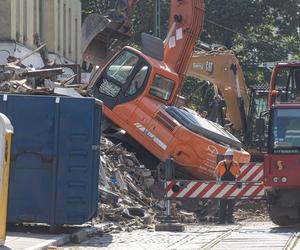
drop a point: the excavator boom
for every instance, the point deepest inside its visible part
(185, 26)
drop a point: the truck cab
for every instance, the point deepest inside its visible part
(282, 161)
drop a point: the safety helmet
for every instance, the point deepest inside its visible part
(228, 152)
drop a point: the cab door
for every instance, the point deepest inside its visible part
(129, 100)
(122, 82)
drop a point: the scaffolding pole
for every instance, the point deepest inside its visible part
(157, 19)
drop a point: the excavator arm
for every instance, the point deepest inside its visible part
(222, 68)
(185, 25)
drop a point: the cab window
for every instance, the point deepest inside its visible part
(282, 78)
(288, 84)
(118, 73)
(162, 87)
(122, 67)
(285, 129)
(138, 81)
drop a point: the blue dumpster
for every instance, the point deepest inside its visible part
(54, 159)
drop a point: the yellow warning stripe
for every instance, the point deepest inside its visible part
(4, 193)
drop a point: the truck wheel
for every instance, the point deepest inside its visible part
(283, 220)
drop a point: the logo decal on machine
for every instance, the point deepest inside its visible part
(151, 135)
(198, 66)
(212, 149)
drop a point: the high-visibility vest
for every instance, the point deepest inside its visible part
(222, 169)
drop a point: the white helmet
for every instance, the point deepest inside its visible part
(228, 152)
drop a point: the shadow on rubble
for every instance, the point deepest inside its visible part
(100, 240)
(285, 229)
(41, 229)
(5, 248)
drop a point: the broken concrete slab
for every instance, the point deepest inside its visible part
(18, 241)
(37, 237)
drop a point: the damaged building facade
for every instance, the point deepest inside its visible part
(58, 23)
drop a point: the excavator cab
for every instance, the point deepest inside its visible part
(131, 75)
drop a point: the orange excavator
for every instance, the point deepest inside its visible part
(103, 36)
(139, 89)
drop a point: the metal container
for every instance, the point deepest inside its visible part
(54, 160)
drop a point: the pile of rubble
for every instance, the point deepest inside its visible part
(251, 210)
(16, 77)
(125, 191)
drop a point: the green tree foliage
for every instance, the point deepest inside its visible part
(144, 18)
(95, 6)
(257, 30)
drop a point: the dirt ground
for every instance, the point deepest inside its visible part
(251, 211)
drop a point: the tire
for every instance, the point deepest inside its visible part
(132, 213)
(281, 220)
(135, 212)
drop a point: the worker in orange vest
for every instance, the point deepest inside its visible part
(227, 170)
